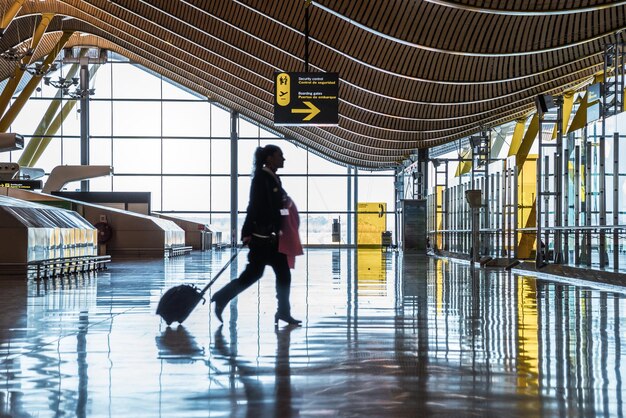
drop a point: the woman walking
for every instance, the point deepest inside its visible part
(260, 231)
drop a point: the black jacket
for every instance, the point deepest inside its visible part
(266, 200)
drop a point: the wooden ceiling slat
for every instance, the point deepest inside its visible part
(391, 98)
(424, 32)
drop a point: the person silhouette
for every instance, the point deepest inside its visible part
(260, 231)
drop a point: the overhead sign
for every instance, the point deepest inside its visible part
(21, 184)
(306, 99)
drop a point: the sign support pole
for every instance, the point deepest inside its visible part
(306, 36)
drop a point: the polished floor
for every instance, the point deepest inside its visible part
(384, 335)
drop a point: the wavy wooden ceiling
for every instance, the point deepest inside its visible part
(413, 74)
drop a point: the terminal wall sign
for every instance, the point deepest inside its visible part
(306, 99)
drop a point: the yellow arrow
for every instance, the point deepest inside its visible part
(312, 110)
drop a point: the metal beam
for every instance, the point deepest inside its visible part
(234, 191)
(84, 118)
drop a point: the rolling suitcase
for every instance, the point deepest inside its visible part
(178, 302)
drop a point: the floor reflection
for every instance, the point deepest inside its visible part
(176, 345)
(386, 334)
(262, 398)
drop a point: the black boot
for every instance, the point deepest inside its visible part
(219, 308)
(287, 318)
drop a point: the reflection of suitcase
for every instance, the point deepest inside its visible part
(177, 303)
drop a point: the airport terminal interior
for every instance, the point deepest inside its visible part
(459, 182)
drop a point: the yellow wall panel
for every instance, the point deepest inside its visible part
(526, 206)
(439, 216)
(372, 222)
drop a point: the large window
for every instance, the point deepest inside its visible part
(161, 138)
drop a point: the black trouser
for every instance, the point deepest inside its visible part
(261, 254)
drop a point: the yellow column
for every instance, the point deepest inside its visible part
(580, 118)
(7, 18)
(56, 124)
(439, 217)
(51, 131)
(27, 158)
(529, 138)
(38, 143)
(465, 166)
(19, 103)
(46, 18)
(518, 134)
(14, 81)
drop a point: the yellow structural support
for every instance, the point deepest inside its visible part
(580, 118)
(518, 134)
(44, 128)
(10, 88)
(598, 77)
(10, 14)
(465, 165)
(51, 131)
(19, 103)
(15, 79)
(439, 190)
(26, 159)
(527, 240)
(46, 18)
(527, 142)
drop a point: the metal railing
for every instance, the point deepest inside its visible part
(66, 266)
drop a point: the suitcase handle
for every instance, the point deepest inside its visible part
(205, 288)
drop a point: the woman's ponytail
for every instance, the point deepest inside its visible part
(259, 158)
(261, 154)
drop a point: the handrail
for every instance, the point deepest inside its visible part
(575, 228)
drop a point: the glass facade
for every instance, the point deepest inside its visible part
(552, 186)
(161, 138)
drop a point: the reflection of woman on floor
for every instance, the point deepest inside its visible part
(252, 386)
(284, 395)
(257, 405)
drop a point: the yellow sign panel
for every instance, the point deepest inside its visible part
(303, 99)
(283, 89)
(372, 222)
